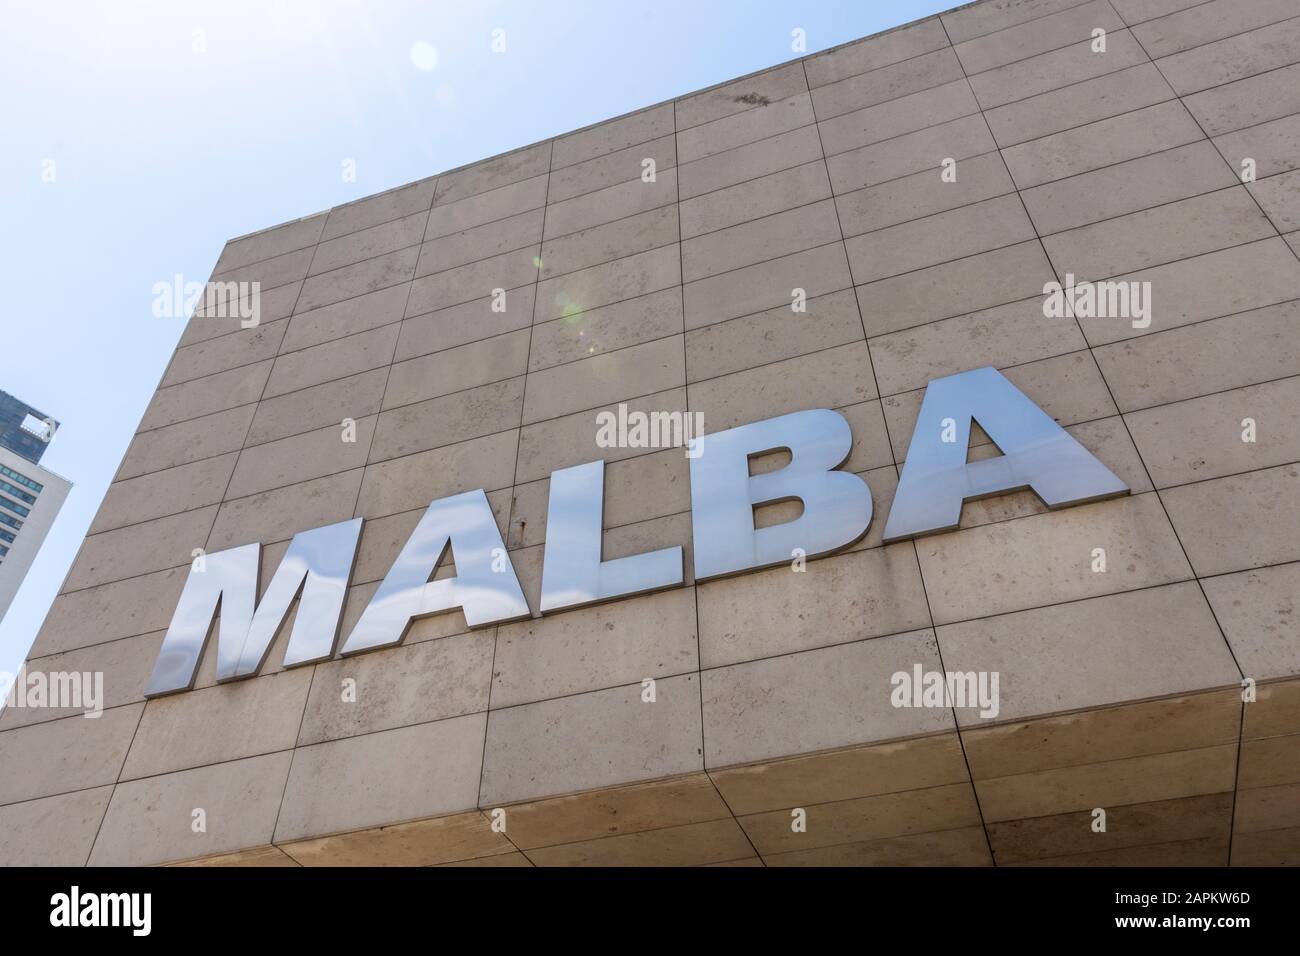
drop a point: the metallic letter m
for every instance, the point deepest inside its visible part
(315, 570)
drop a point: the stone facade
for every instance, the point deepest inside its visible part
(1120, 690)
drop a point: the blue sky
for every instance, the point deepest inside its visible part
(173, 126)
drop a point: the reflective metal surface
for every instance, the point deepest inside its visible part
(836, 504)
(318, 563)
(1037, 453)
(487, 596)
(573, 573)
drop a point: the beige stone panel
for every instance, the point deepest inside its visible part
(1270, 762)
(740, 129)
(185, 442)
(270, 273)
(985, 225)
(139, 548)
(744, 861)
(1149, 823)
(606, 329)
(472, 281)
(1273, 145)
(925, 149)
(204, 396)
(1006, 335)
(954, 288)
(914, 764)
(963, 847)
(612, 169)
(568, 295)
(693, 844)
(402, 484)
(1186, 362)
(1079, 104)
(865, 818)
(258, 856)
(442, 840)
(740, 96)
(783, 151)
(766, 337)
(1205, 23)
(256, 716)
(1257, 611)
(162, 493)
(609, 241)
(1047, 558)
(480, 242)
(886, 83)
(1267, 848)
(59, 756)
(1280, 197)
(55, 831)
(1209, 851)
(816, 700)
(1049, 71)
(393, 204)
(500, 203)
(349, 317)
(493, 173)
(980, 19)
(1128, 646)
(464, 323)
(572, 439)
(332, 360)
(1202, 437)
(1127, 187)
(369, 243)
(610, 203)
(618, 810)
(761, 240)
(457, 369)
(269, 243)
(290, 461)
(1268, 808)
(1102, 734)
(755, 199)
(280, 514)
(593, 648)
(358, 279)
(907, 114)
(354, 397)
(613, 135)
(873, 52)
(598, 739)
(1175, 231)
(151, 821)
(1245, 521)
(1067, 387)
(835, 600)
(1276, 710)
(122, 609)
(638, 370)
(1167, 776)
(1233, 58)
(123, 666)
(377, 779)
(398, 687)
(753, 289)
(914, 197)
(1137, 11)
(452, 418)
(1248, 102)
(831, 378)
(1109, 140)
(1040, 35)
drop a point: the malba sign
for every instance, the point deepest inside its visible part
(1036, 453)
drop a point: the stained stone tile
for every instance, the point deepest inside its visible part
(1240, 522)
(1256, 610)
